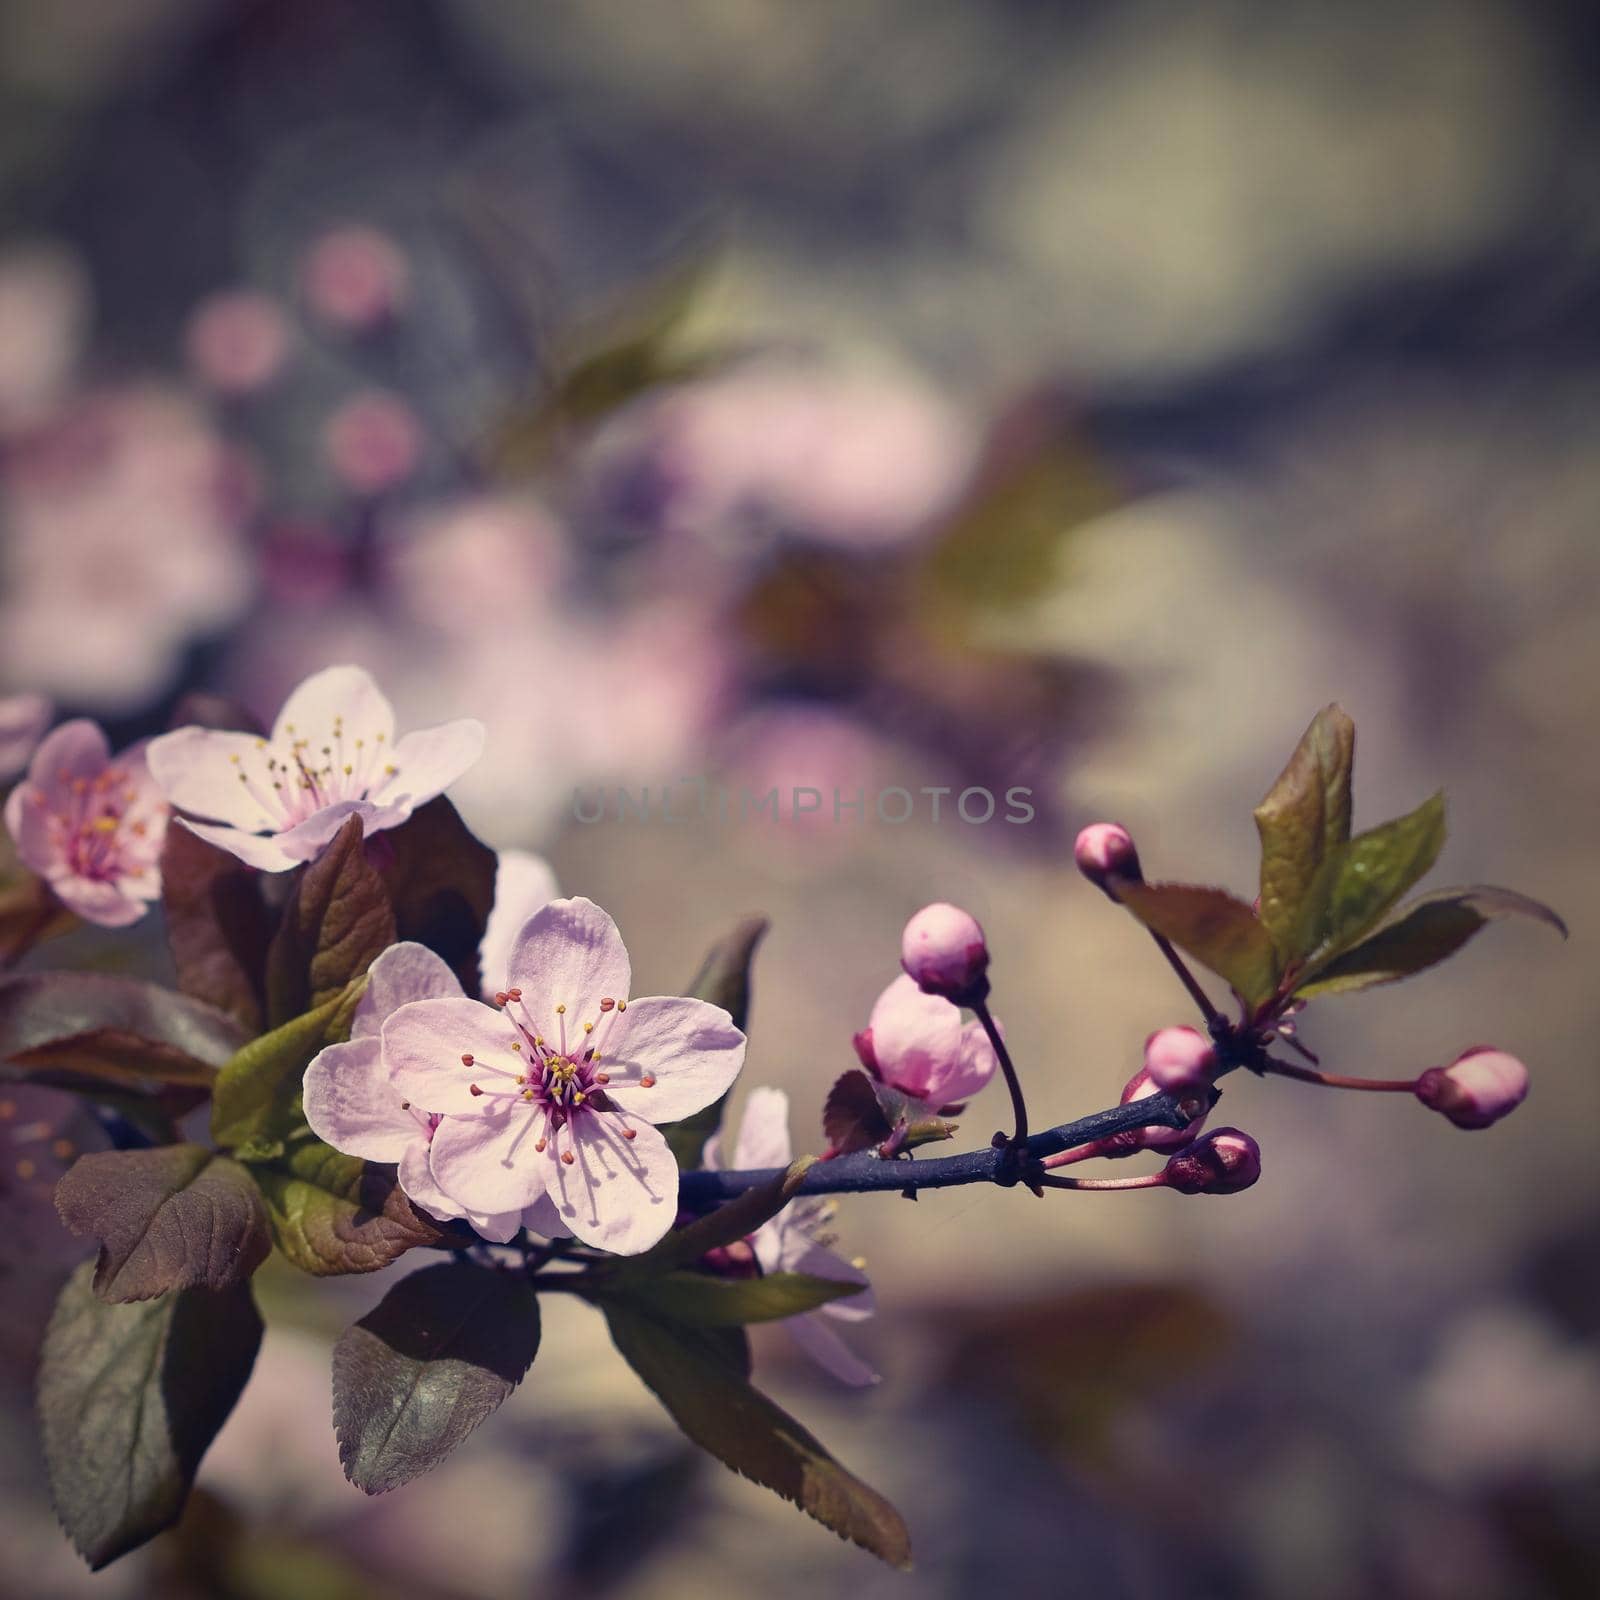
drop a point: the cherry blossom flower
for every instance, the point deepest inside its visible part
(23, 719)
(90, 826)
(352, 1103)
(918, 1044)
(523, 884)
(793, 1242)
(559, 1092)
(332, 755)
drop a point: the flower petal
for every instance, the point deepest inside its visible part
(351, 1102)
(419, 1183)
(828, 1350)
(108, 905)
(403, 973)
(251, 848)
(428, 761)
(489, 1164)
(619, 1194)
(423, 1044)
(543, 1218)
(763, 1130)
(336, 694)
(801, 1254)
(305, 841)
(196, 772)
(76, 749)
(28, 823)
(914, 1036)
(972, 1068)
(523, 884)
(689, 1047)
(570, 954)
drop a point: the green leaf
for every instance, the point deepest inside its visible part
(440, 879)
(1220, 932)
(417, 1374)
(218, 926)
(257, 1095)
(735, 1220)
(690, 1371)
(176, 1217)
(130, 1397)
(1422, 934)
(331, 1213)
(724, 980)
(1363, 878)
(337, 923)
(697, 1299)
(1305, 815)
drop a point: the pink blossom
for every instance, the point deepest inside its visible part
(355, 278)
(23, 719)
(123, 543)
(1141, 1086)
(238, 341)
(559, 1092)
(353, 1104)
(790, 1242)
(1178, 1059)
(943, 949)
(332, 755)
(373, 442)
(1478, 1088)
(90, 826)
(918, 1044)
(1105, 854)
(523, 884)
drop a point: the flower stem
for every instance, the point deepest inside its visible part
(1336, 1080)
(1187, 978)
(1019, 1107)
(1150, 1180)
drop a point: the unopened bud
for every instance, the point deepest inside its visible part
(1157, 1136)
(944, 953)
(1179, 1058)
(1223, 1162)
(1106, 856)
(1479, 1087)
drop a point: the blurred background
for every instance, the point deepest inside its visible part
(869, 394)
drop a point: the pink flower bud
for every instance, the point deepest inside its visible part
(1106, 856)
(1223, 1162)
(943, 952)
(865, 1054)
(1179, 1059)
(1156, 1137)
(1479, 1087)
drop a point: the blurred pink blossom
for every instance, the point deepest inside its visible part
(44, 308)
(238, 341)
(355, 278)
(90, 826)
(122, 546)
(839, 458)
(791, 1241)
(373, 442)
(23, 719)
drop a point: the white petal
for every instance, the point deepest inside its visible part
(569, 953)
(108, 905)
(690, 1048)
(802, 1254)
(265, 854)
(351, 1102)
(619, 1194)
(543, 1218)
(829, 1351)
(418, 1181)
(305, 841)
(403, 973)
(523, 884)
(336, 693)
(423, 1044)
(489, 1164)
(196, 772)
(763, 1130)
(428, 761)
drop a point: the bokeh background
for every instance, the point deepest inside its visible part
(854, 394)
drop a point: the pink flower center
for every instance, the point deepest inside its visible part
(94, 832)
(564, 1079)
(293, 781)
